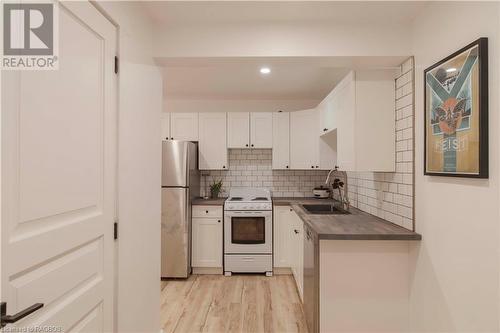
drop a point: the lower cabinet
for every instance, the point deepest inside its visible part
(297, 264)
(289, 243)
(282, 234)
(206, 242)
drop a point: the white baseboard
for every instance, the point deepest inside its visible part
(282, 271)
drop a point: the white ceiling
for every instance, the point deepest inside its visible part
(356, 12)
(239, 78)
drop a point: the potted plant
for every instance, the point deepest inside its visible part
(215, 189)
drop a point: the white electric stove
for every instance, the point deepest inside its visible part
(248, 231)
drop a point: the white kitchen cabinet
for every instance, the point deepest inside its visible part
(288, 241)
(165, 126)
(184, 126)
(238, 130)
(250, 130)
(304, 151)
(297, 265)
(212, 148)
(362, 121)
(207, 242)
(283, 221)
(261, 130)
(281, 140)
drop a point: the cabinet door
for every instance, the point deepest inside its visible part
(346, 148)
(238, 130)
(261, 130)
(327, 150)
(283, 242)
(281, 140)
(304, 139)
(298, 254)
(207, 242)
(165, 126)
(212, 149)
(184, 126)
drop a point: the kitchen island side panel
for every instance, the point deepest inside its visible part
(364, 286)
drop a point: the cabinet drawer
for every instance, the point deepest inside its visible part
(207, 211)
(248, 263)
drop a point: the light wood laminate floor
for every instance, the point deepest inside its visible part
(240, 303)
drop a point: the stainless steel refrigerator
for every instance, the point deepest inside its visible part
(180, 184)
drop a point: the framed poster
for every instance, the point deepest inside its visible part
(456, 114)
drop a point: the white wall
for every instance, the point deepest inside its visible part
(455, 282)
(139, 168)
(232, 105)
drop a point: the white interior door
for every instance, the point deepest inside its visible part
(58, 164)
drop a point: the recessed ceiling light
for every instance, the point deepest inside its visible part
(450, 70)
(265, 70)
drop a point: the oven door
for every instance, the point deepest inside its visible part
(248, 232)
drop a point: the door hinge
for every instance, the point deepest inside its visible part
(115, 230)
(116, 65)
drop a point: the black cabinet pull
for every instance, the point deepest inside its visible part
(223, 167)
(246, 145)
(287, 166)
(291, 209)
(312, 166)
(317, 166)
(171, 138)
(218, 221)
(206, 211)
(6, 319)
(252, 144)
(325, 129)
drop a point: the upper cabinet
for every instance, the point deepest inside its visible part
(281, 140)
(212, 147)
(179, 126)
(165, 126)
(250, 130)
(238, 130)
(304, 153)
(261, 130)
(359, 119)
(184, 126)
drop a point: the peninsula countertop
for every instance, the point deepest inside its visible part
(357, 225)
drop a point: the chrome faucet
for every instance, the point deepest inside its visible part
(340, 186)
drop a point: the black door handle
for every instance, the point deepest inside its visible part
(6, 319)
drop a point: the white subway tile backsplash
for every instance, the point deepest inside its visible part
(253, 168)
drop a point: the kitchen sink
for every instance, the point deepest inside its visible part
(324, 209)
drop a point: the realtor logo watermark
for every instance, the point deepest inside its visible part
(30, 40)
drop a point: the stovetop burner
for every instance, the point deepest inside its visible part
(260, 199)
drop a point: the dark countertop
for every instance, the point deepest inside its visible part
(355, 226)
(208, 202)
